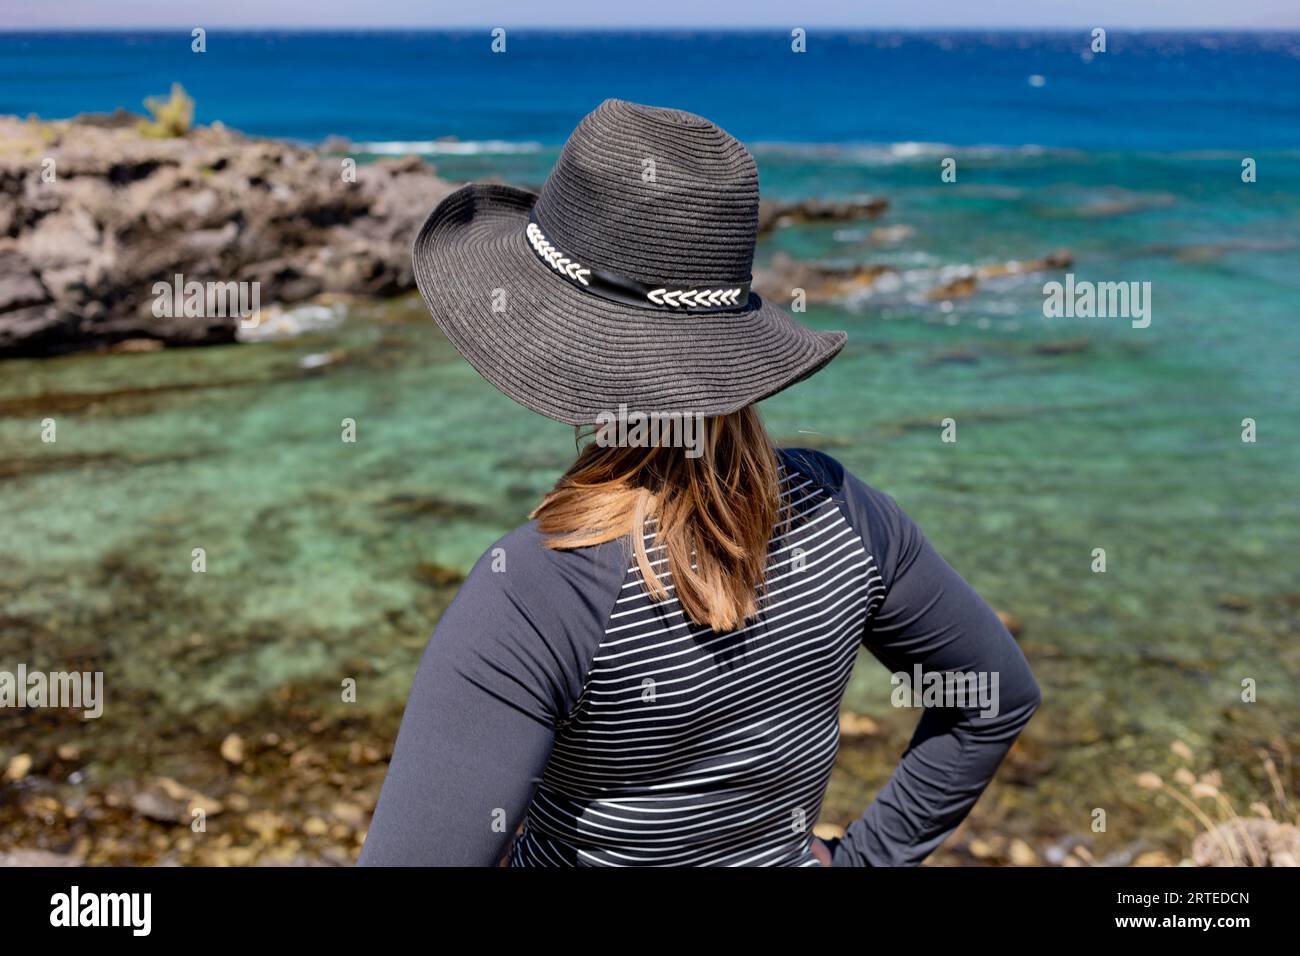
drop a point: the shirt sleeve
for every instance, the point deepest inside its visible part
(928, 617)
(503, 666)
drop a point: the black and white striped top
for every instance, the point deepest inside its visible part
(556, 692)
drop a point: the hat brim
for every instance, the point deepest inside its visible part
(571, 355)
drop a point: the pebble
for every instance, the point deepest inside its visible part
(1022, 854)
(232, 749)
(25, 857)
(18, 767)
(265, 823)
(857, 725)
(348, 813)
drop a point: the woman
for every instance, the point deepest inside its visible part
(650, 671)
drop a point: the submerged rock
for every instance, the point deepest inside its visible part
(824, 283)
(965, 285)
(437, 575)
(960, 288)
(889, 235)
(954, 357)
(773, 213)
(821, 283)
(1011, 623)
(1062, 347)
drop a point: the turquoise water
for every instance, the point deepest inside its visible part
(328, 560)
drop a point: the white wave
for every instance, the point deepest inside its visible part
(280, 322)
(447, 147)
(900, 153)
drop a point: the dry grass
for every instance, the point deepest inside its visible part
(1266, 834)
(172, 117)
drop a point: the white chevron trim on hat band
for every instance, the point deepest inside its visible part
(560, 263)
(629, 291)
(688, 297)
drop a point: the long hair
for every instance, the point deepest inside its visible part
(712, 516)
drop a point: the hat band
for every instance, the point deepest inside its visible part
(622, 289)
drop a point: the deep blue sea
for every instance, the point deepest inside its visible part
(1073, 434)
(1146, 91)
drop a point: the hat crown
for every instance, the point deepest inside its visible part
(659, 195)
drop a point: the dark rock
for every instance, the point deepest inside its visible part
(80, 256)
(1234, 602)
(1011, 623)
(954, 357)
(966, 284)
(437, 575)
(773, 213)
(821, 283)
(1062, 347)
(118, 119)
(960, 288)
(20, 286)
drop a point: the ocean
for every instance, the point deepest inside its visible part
(1073, 434)
(1169, 91)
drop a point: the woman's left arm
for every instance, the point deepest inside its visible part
(930, 621)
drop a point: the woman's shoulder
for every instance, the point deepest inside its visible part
(521, 556)
(528, 620)
(520, 573)
(814, 464)
(885, 528)
(829, 473)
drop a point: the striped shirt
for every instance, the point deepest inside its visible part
(555, 692)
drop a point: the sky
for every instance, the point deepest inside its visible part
(987, 14)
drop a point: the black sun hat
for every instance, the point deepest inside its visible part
(624, 282)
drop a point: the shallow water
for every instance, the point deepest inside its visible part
(328, 560)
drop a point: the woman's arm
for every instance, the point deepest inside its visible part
(464, 767)
(467, 757)
(928, 616)
(508, 658)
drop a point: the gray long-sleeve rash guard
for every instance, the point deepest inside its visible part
(554, 692)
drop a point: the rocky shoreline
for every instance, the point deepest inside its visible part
(97, 213)
(94, 213)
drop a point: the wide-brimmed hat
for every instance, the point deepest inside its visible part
(625, 282)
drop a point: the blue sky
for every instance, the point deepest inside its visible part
(1112, 14)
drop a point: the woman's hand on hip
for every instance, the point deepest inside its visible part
(821, 851)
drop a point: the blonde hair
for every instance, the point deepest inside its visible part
(713, 514)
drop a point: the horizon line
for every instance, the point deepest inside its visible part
(631, 28)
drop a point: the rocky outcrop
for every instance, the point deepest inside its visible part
(966, 284)
(824, 282)
(821, 282)
(93, 214)
(773, 213)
